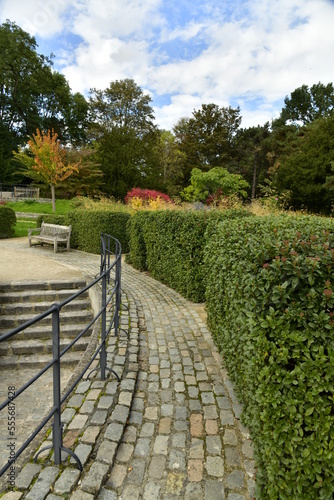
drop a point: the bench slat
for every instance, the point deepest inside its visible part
(51, 233)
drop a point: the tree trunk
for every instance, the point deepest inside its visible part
(254, 177)
(53, 197)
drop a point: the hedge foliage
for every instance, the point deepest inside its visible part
(61, 220)
(170, 244)
(87, 226)
(7, 222)
(270, 303)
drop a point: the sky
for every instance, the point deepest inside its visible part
(185, 53)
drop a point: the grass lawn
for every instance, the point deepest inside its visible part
(62, 207)
(22, 226)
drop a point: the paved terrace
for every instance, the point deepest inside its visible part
(170, 428)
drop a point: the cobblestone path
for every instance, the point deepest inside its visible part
(182, 437)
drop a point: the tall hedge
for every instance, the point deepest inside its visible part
(61, 220)
(87, 226)
(170, 244)
(270, 306)
(7, 222)
(137, 247)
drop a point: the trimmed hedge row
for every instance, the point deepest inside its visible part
(170, 244)
(87, 226)
(7, 222)
(270, 307)
(52, 219)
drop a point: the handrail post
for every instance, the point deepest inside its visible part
(57, 427)
(118, 290)
(108, 257)
(103, 354)
(103, 253)
(55, 362)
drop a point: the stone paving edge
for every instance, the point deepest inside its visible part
(97, 429)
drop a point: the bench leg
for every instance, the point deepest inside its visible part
(55, 246)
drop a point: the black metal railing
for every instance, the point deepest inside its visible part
(110, 281)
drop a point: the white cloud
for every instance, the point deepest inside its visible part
(251, 51)
(257, 58)
(114, 18)
(106, 60)
(190, 31)
(42, 17)
(181, 106)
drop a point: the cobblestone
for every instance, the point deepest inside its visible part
(26, 476)
(114, 432)
(43, 484)
(170, 428)
(107, 452)
(93, 480)
(67, 481)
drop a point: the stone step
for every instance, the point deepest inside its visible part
(40, 332)
(15, 308)
(29, 361)
(38, 347)
(10, 322)
(32, 348)
(34, 296)
(70, 284)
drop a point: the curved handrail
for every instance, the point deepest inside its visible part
(54, 312)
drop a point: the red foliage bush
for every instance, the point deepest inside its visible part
(214, 197)
(146, 194)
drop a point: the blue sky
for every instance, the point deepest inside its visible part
(247, 53)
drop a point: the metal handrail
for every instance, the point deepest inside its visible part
(110, 246)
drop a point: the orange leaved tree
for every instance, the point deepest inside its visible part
(50, 160)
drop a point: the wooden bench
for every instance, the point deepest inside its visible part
(53, 234)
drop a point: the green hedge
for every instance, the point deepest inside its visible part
(61, 220)
(271, 310)
(135, 228)
(169, 244)
(7, 222)
(87, 226)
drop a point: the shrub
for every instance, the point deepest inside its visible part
(170, 244)
(146, 195)
(271, 308)
(62, 220)
(135, 228)
(87, 227)
(101, 203)
(7, 222)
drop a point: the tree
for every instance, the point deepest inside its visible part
(205, 184)
(305, 163)
(20, 68)
(308, 104)
(126, 137)
(329, 184)
(124, 105)
(32, 96)
(208, 137)
(171, 161)
(49, 161)
(252, 161)
(76, 120)
(88, 180)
